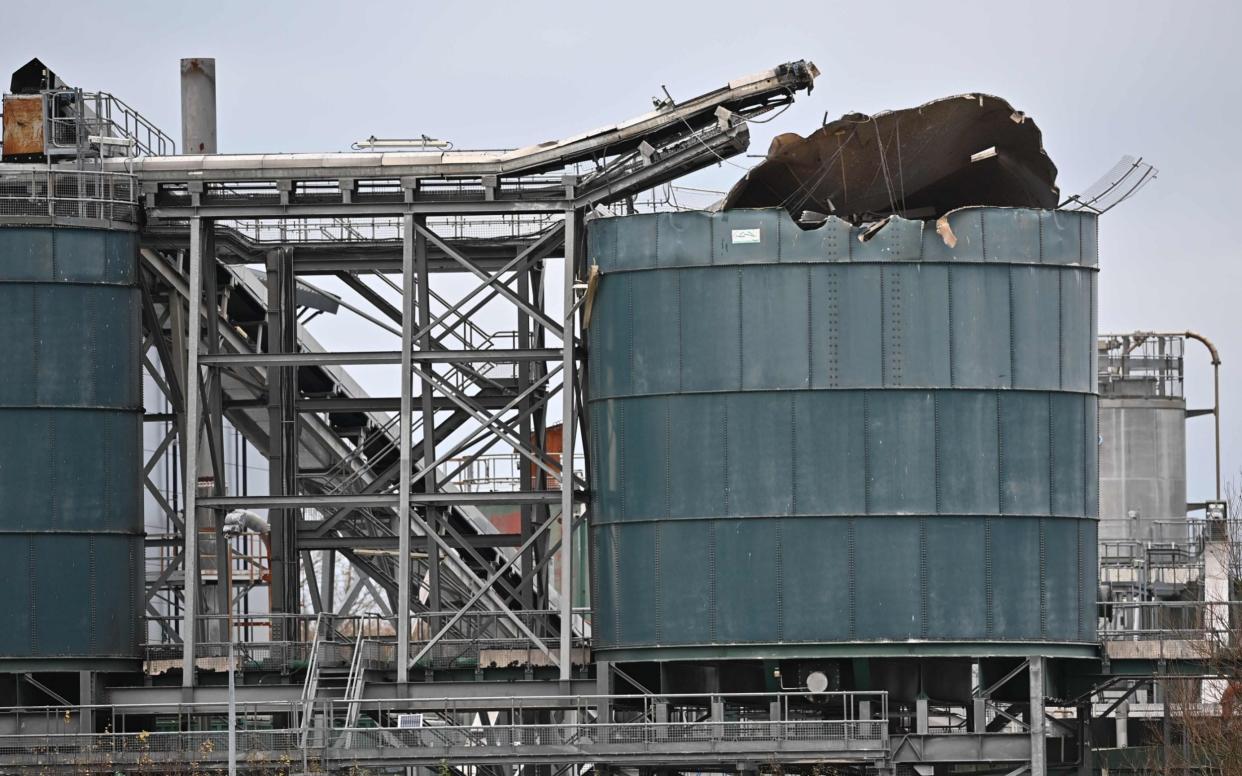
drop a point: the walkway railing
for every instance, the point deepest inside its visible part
(1171, 620)
(478, 636)
(853, 724)
(70, 196)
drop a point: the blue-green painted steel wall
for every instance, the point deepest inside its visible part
(70, 410)
(812, 440)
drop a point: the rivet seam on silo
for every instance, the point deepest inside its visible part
(91, 601)
(1043, 578)
(1079, 591)
(31, 581)
(1000, 456)
(53, 491)
(780, 579)
(741, 333)
(712, 600)
(924, 587)
(1013, 348)
(852, 566)
(1060, 332)
(988, 588)
(866, 451)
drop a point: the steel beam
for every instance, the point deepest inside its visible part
(505, 291)
(314, 501)
(489, 421)
(190, 448)
(311, 541)
(214, 402)
(282, 448)
(472, 695)
(573, 225)
(381, 403)
(234, 211)
(405, 435)
(535, 252)
(426, 406)
(377, 357)
(962, 748)
(564, 657)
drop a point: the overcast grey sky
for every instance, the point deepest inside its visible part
(1156, 79)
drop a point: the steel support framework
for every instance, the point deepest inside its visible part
(449, 410)
(438, 371)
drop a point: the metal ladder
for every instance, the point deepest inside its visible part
(354, 686)
(310, 688)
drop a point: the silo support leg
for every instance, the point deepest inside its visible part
(1039, 764)
(86, 699)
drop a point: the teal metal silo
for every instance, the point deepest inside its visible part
(71, 548)
(822, 442)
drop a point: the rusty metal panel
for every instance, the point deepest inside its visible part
(23, 127)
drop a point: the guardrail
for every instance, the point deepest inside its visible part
(473, 744)
(72, 197)
(79, 122)
(289, 640)
(1170, 620)
(501, 471)
(388, 229)
(867, 734)
(844, 722)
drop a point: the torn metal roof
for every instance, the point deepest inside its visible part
(970, 149)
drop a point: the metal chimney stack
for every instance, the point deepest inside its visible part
(198, 105)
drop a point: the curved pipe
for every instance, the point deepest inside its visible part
(1215, 355)
(245, 520)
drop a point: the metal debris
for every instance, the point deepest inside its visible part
(919, 163)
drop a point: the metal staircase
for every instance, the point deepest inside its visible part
(354, 685)
(310, 687)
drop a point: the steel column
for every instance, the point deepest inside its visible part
(189, 637)
(405, 443)
(215, 425)
(431, 513)
(573, 225)
(282, 433)
(527, 431)
(1039, 724)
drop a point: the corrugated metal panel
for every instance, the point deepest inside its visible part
(70, 406)
(808, 439)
